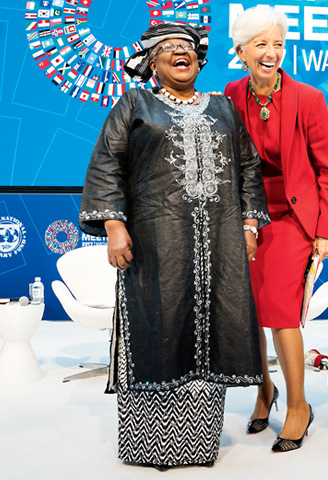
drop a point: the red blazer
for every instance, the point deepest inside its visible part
(304, 148)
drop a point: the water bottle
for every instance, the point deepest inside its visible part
(37, 292)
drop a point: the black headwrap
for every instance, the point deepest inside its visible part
(137, 66)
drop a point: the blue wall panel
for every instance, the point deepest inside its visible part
(48, 134)
(35, 229)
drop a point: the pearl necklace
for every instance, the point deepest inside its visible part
(177, 100)
(265, 112)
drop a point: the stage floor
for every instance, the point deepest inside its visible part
(68, 431)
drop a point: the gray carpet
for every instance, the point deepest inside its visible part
(51, 430)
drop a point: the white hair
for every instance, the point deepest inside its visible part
(253, 21)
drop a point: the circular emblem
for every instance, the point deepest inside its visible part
(80, 65)
(12, 236)
(65, 228)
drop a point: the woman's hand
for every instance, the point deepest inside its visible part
(251, 245)
(119, 244)
(320, 246)
(250, 239)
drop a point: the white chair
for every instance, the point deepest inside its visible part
(88, 297)
(318, 302)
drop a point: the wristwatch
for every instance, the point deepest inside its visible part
(252, 229)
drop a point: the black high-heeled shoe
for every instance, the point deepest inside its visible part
(285, 445)
(256, 425)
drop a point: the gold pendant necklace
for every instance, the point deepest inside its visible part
(265, 112)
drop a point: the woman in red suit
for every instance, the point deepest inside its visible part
(288, 123)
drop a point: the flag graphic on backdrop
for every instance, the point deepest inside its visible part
(67, 52)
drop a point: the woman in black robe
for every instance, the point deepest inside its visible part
(174, 182)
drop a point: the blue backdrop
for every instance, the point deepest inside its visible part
(61, 72)
(51, 112)
(35, 230)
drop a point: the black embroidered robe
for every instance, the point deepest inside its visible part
(182, 178)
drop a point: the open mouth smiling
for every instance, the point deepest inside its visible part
(267, 64)
(181, 63)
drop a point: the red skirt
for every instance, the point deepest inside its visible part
(283, 253)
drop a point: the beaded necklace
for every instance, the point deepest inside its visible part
(265, 112)
(177, 100)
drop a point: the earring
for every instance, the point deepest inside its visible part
(198, 69)
(245, 67)
(155, 72)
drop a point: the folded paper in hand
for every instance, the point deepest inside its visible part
(308, 288)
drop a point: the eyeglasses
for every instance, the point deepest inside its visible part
(171, 47)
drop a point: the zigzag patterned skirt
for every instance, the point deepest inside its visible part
(182, 426)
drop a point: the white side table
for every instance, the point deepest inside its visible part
(17, 359)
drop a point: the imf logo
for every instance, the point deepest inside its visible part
(12, 236)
